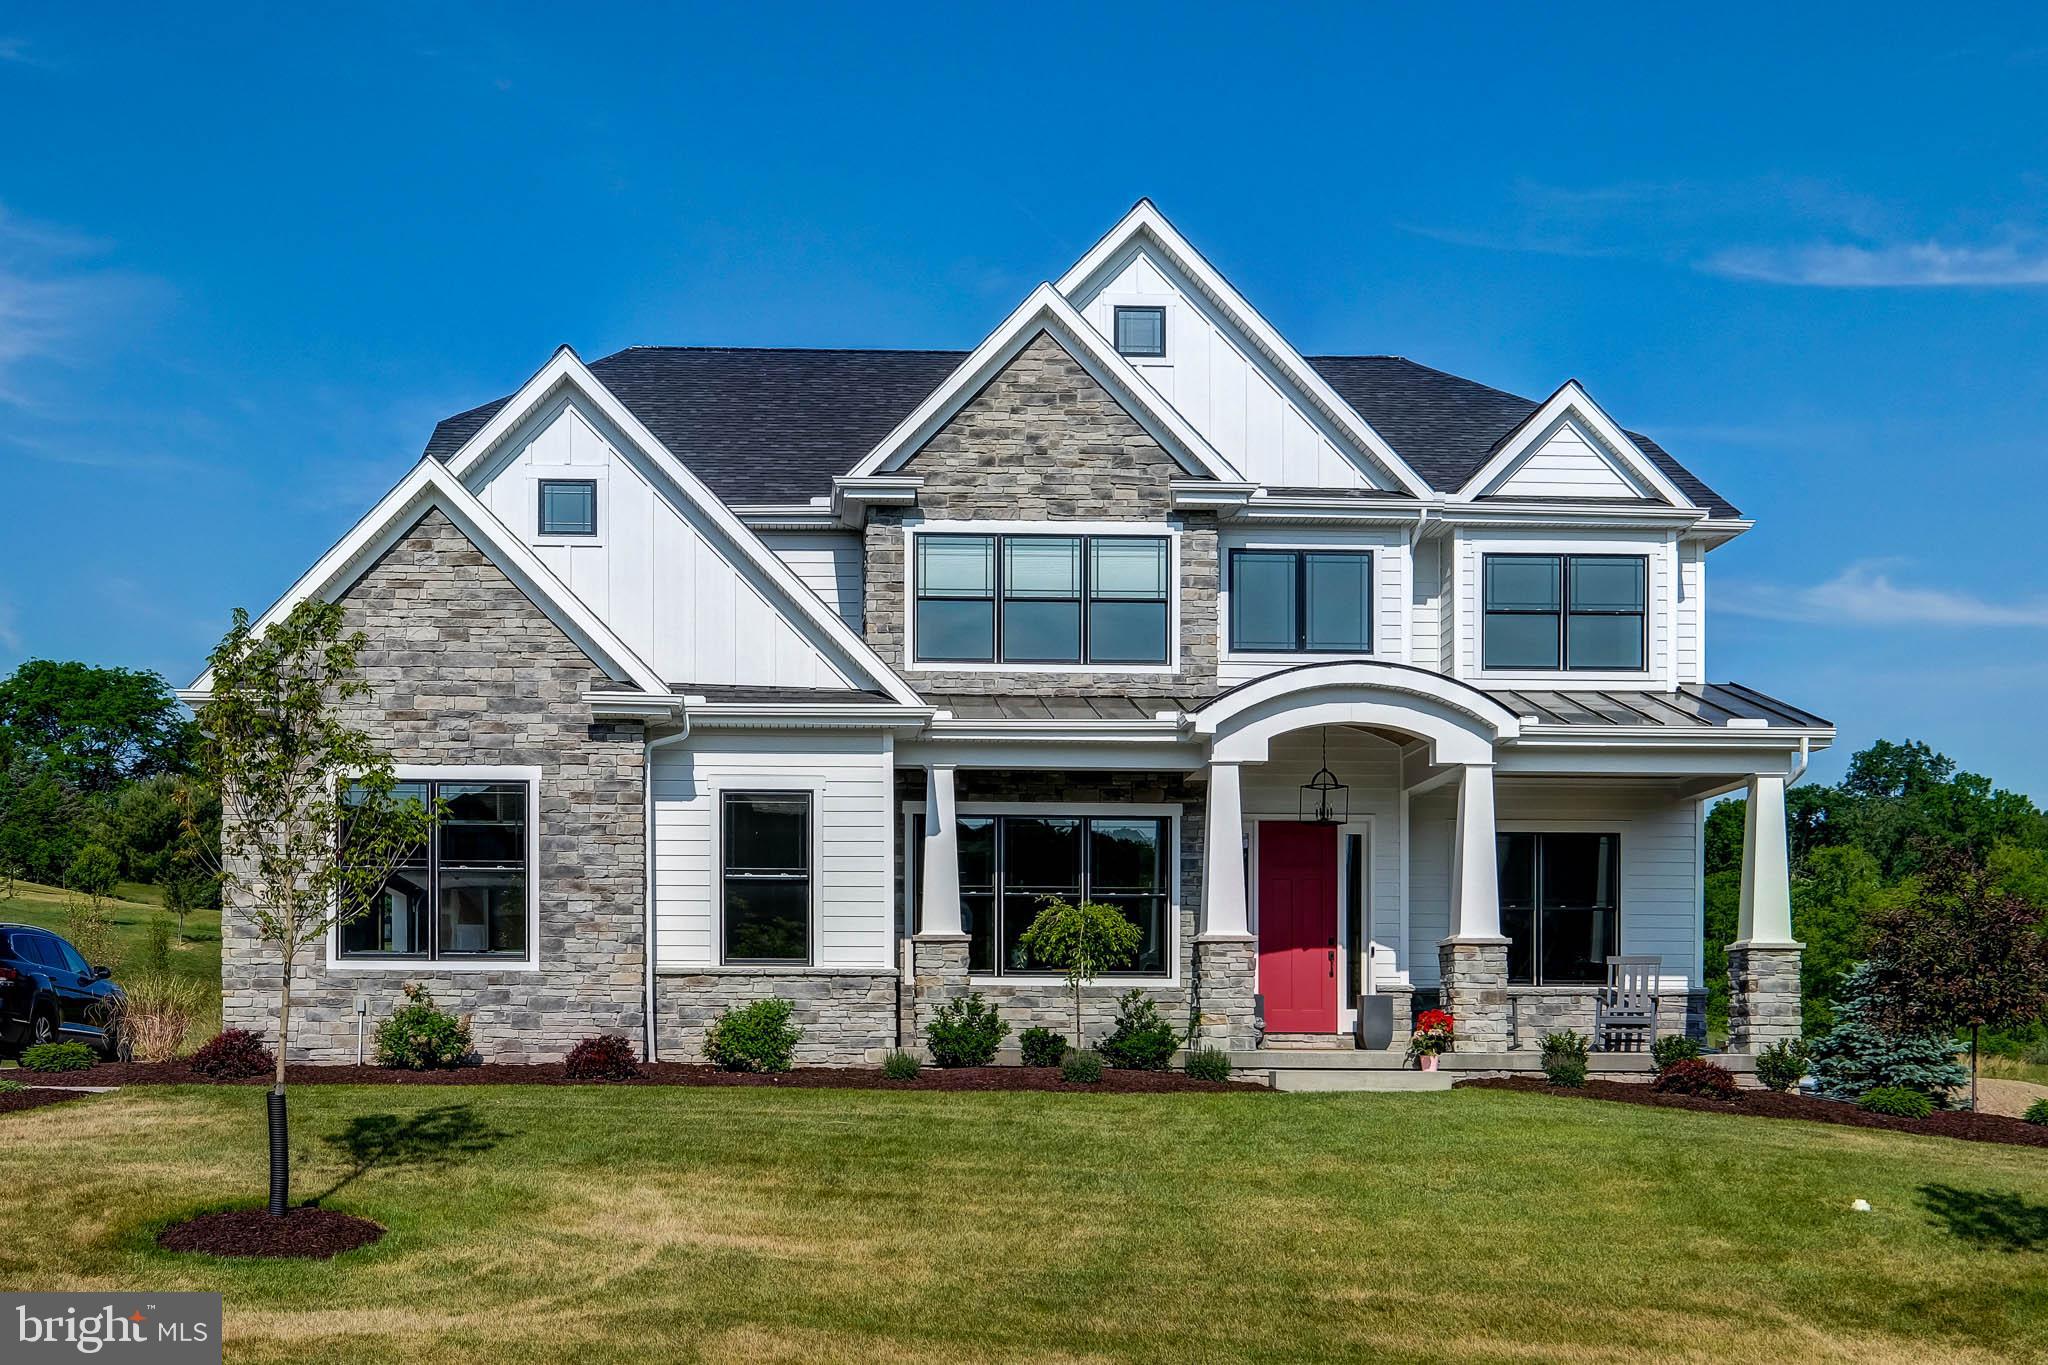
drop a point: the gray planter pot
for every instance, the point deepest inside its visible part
(1375, 1021)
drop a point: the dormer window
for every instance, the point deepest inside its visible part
(568, 507)
(1141, 332)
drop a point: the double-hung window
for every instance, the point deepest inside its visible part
(1570, 612)
(462, 894)
(1301, 601)
(1011, 864)
(1042, 599)
(767, 876)
(1560, 906)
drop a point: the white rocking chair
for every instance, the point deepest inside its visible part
(1625, 1011)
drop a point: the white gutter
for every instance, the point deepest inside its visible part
(1805, 757)
(653, 1049)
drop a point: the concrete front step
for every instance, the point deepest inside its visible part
(1331, 1079)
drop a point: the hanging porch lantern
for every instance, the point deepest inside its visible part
(1324, 800)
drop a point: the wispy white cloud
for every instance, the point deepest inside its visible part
(10, 633)
(17, 50)
(1899, 265)
(55, 294)
(1865, 594)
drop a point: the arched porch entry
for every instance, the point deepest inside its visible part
(1315, 914)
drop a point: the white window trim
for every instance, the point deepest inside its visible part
(1660, 611)
(1378, 555)
(1101, 810)
(568, 473)
(766, 784)
(430, 966)
(1169, 306)
(1135, 529)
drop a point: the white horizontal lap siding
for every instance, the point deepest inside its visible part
(1425, 621)
(852, 886)
(1692, 612)
(658, 570)
(1432, 821)
(1390, 596)
(1568, 465)
(1660, 646)
(829, 563)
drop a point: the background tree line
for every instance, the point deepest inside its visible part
(1867, 845)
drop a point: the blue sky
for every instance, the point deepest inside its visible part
(247, 257)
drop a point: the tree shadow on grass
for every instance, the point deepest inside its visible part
(2004, 1222)
(385, 1142)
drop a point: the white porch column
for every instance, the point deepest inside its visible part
(1475, 877)
(1766, 914)
(939, 891)
(1224, 912)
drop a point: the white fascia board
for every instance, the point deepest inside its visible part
(634, 706)
(1715, 532)
(710, 715)
(1309, 508)
(1145, 219)
(429, 485)
(1045, 309)
(1571, 516)
(1162, 730)
(1210, 495)
(810, 516)
(1655, 737)
(1571, 400)
(567, 369)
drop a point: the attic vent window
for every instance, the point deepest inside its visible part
(1141, 332)
(568, 507)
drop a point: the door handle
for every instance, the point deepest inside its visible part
(1333, 962)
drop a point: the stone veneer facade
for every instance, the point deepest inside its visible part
(1763, 996)
(1536, 1010)
(1474, 988)
(464, 669)
(1043, 441)
(847, 1018)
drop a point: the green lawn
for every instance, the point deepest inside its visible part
(195, 954)
(543, 1224)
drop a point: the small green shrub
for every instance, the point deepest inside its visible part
(1042, 1046)
(233, 1054)
(10, 1086)
(901, 1066)
(58, 1057)
(1781, 1065)
(605, 1057)
(2037, 1112)
(1675, 1047)
(418, 1037)
(156, 954)
(1564, 1058)
(755, 1037)
(1695, 1076)
(966, 1032)
(1139, 1040)
(1209, 1064)
(1081, 1068)
(1901, 1102)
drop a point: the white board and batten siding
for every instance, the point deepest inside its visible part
(1571, 463)
(1390, 596)
(829, 563)
(853, 881)
(659, 571)
(1225, 388)
(1660, 864)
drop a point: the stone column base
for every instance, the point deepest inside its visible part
(1763, 996)
(1226, 977)
(938, 966)
(1475, 990)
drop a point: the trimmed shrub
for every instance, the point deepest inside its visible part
(1139, 1040)
(233, 1054)
(1780, 1065)
(1857, 1055)
(1901, 1102)
(606, 1057)
(1042, 1046)
(1564, 1058)
(1675, 1047)
(1695, 1076)
(1209, 1064)
(901, 1066)
(1081, 1068)
(966, 1032)
(10, 1086)
(418, 1037)
(754, 1037)
(2037, 1112)
(58, 1057)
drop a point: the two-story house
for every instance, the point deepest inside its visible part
(812, 673)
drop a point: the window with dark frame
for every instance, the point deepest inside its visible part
(1009, 864)
(1565, 612)
(1301, 601)
(1042, 599)
(1141, 332)
(568, 507)
(463, 894)
(1560, 906)
(765, 870)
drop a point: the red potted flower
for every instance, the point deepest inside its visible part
(1434, 1032)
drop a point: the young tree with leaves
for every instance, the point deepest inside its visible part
(311, 826)
(1959, 953)
(1081, 940)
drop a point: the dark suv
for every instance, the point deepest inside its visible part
(48, 993)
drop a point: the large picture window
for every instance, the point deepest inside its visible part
(1009, 864)
(767, 876)
(1033, 599)
(1560, 906)
(1301, 601)
(463, 894)
(1569, 612)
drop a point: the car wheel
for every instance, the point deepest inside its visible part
(42, 1028)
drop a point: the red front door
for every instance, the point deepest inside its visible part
(1298, 926)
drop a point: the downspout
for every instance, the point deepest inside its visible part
(652, 1051)
(1805, 757)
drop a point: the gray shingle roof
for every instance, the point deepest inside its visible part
(775, 426)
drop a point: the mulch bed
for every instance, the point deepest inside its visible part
(1772, 1104)
(303, 1233)
(677, 1073)
(36, 1099)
